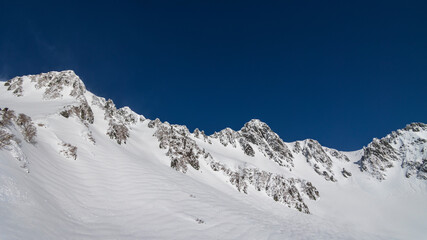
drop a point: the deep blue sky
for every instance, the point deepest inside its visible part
(341, 72)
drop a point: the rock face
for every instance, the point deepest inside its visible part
(181, 149)
(119, 120)
(405, 147)
(268, 142)
(317, 158)
(227, 137)
(83, 112)
(54, 84)
(288, 191)
(377, 157)
(257, 134)
(13, 130)
(201, 135)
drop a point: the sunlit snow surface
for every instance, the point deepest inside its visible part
(129, 191)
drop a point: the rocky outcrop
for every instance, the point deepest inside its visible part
(15, 85)
(9, 136)
(28, 129)
(58, 84)
(54, 84)
(316, 157)
(405, 147)
(346, 173)
(201, 135)
(83, 112)
(181, 148)
(288, 191)
(68, 150)
(119, 132)
(257, 134)
(377, 157)
(227, 137)
(119, 120)
(268, 142)
(336, 154)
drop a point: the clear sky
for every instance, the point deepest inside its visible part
(341, 72)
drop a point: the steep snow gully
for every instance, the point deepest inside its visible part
(73, 166)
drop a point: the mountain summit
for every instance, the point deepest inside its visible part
(75, 166)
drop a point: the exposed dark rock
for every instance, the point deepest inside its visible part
(119, 120)
(28, 129)
(227, 136)
(182, 150)
(297, 147)
(201, 135)
(268, 142)
(9, 141)
(407, 147)
(7, 117)
(68, 150)
(377, 157)
(15, 85)
(317, 157)
(288, 191)
(247, 148)
(346, 173)
(119, 132)
(154, 123)
(336, 154)
(416, 127)
(83, 112)
(5, 138)
(54, 83)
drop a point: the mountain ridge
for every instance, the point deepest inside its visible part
(253, 160)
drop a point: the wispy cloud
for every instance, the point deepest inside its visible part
(40, 41)
(54, 54)
(4, 76)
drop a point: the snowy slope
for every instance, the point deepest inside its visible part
(97, 172)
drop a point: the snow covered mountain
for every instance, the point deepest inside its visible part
(73, 166)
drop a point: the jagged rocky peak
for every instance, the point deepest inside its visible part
(227, 136)
(256, 126)
(123, 115)
(258, 134)
(201, 135)
(406, 147)
(377, 157)
(268, 142)
(54, 84)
